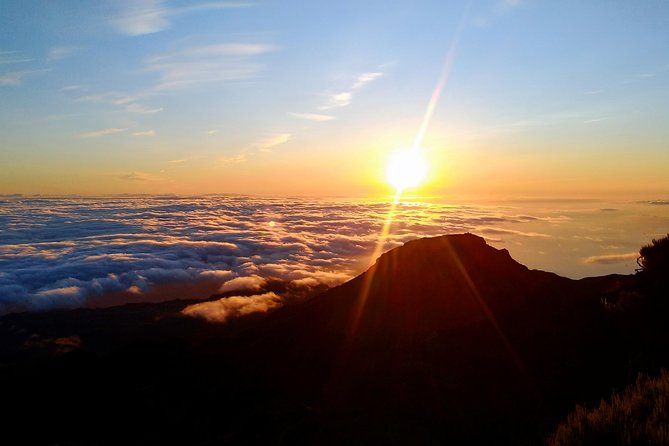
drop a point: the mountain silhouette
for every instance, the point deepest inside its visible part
(449, 325)
(443, 340)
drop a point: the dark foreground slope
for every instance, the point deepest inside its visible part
(443, 341)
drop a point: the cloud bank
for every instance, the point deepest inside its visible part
(72, 252)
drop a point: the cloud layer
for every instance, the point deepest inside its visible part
(70, 252)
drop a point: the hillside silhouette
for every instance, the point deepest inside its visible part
(443, 340)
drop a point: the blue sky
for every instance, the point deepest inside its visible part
(292, 97)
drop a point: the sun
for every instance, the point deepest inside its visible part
(406, 169)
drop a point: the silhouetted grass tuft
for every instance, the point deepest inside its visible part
(638, 416)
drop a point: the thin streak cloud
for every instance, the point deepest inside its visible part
(125, 101)
(145, 133)
(366, 78)
(337, 100)
(344, 98)
(101, 133)
(235, 159)
(15, 78)
(276, 140)
(612, 258)
(593, 120)
(12, 57)
(142, 109)
(139, 17)
(312, 116)
(209, 64)
(60, 52)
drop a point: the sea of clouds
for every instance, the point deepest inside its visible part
(72, 252)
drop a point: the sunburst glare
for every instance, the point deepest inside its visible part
(406, 169)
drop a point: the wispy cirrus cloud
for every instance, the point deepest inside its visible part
(208, 64)
(142, 109)
(593, 120)
(145, 133)
(139, 17)
(13, 57)
(125, 101)
(108, 97)
(234, 159)
(15, 78)
(272, 141)
(311, 116)
(335, 100)
(365, 78)
(344, 98)
(102, 132)
(72, 87)
(216, 50)
(60, 52)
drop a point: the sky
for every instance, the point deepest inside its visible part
(273, 98)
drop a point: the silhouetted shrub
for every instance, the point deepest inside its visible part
(654, 258)
(638, 416)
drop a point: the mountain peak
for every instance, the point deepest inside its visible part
(433, 284)
(462, 246)
(449, 257)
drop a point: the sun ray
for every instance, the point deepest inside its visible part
(443, 79)
(486, 310)
(380, 243)
(407, 169)
(419, 173)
